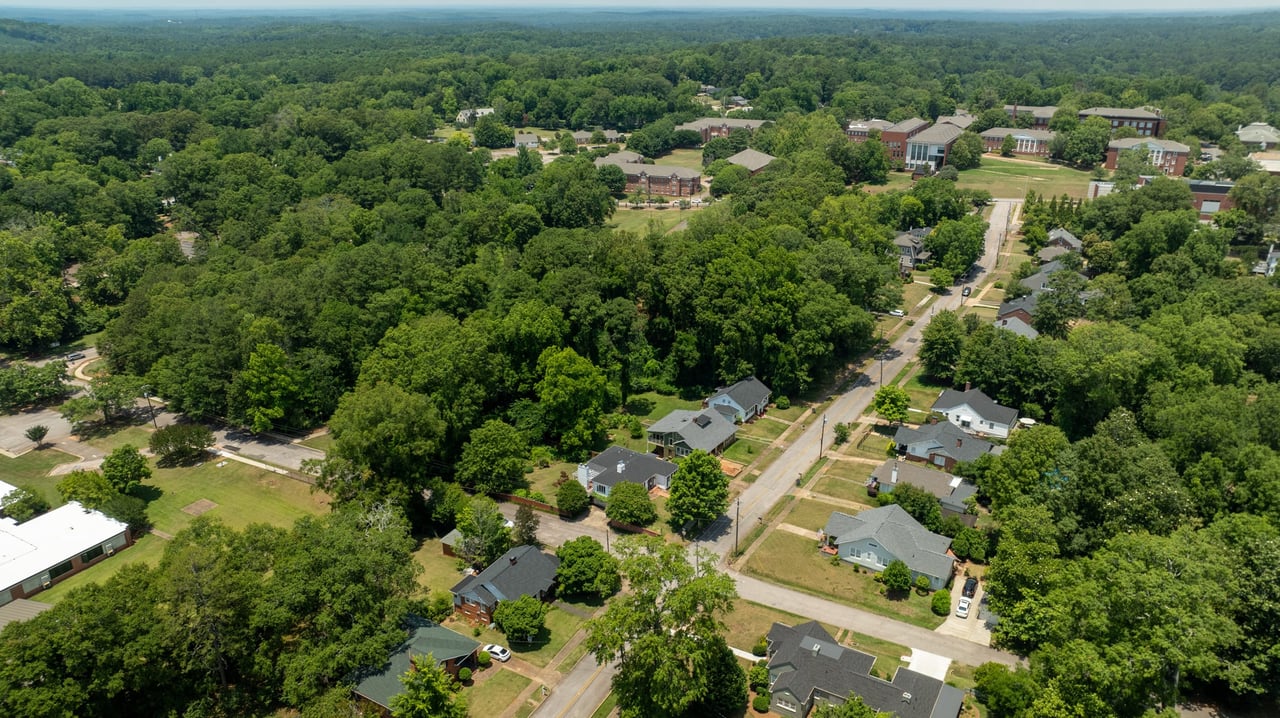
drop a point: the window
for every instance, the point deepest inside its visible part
(60, 569)
(1210, 206)
(785, 704)
(91, 554)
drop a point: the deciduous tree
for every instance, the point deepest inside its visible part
(126, 468)
(493, 460)
(629, 503)
(891, 403)
(699, 491)
(428, 692)
(89, 488)
(485, 536)
(586, 569)
(571, 498)
(522, 619)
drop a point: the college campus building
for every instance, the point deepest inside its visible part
(1145, 122)
(1034, 143)
(57, 544)
(1166, 155)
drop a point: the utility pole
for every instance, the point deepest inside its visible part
(737, 514)
(824, 422)
(146, 394)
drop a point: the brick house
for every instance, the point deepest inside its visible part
(1145, 122)
(1034, 143)
(377, 687)
(1168, 156)
(895, 138)
(712, 127)
(522, 571)
(1040, 114)
(1209, 197)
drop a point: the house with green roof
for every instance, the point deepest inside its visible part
(377, 686)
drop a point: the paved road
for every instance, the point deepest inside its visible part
(580, 693)
(781, 476)
(264, 448)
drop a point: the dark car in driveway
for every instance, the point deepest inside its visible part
(966, 291)
(970, 587)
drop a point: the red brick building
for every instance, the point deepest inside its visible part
(1209, 197)
(522, 571)
(1033, 143)
(1145, 122)
(665, 180)
(895, 138)
(1168, 156)
(1040, 114)
(860, 130)
(712, 127)
(45, 550)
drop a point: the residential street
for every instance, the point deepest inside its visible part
(781, 476)
(580, 693)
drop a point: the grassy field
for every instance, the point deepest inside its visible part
(764, 429)
(651, 406)
(323, 442)
(544, 480)
(1012, 178)
(491, 696)
(791, 413)
(139, 437)
(439, 572)
(913, 294)
(795, 561)
(561, 625)
(874, 445)
(690, 159)
(897, 180)
(637, 220)
(748, 621)
(923, 390)
(811, 514)
(846, 480)
(242, 495)
(32, 468)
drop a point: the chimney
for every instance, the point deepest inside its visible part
(893, 479)
(622, 466)
(513, 560)
(959, 443)
(967, 385)
(815, 649)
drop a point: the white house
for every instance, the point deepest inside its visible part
(976, 413)
(878, 537)
(741, 401)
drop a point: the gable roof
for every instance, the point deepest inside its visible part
(731, 122)
(943, 438)
(524, 138)
(1062, 235)
(753, 160)
(1148, 143)
(940, 134)
(1038, 111)
(382, 683)
(745, 393)
(922, 550)
(979, 402)
(621, 157)
(1134, 113)
(702, 429)
(637, 468)
(524, 570)
(1052, 252)
(960, 119)
(21, 609)
(817, 663)
(909, 125)
(1016, 325)
(636, 169)
(999, 133)
(950, 490)
(1258, 133)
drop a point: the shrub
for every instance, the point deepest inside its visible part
(571, 498)
(896, 576)
(440, 606)
(922, 585)
(476, 632)
(181, 443)
(484, 659)
(630, 504)
(841, 433)
(464, 674)
(636, 428)
(761, 647)
(758, 677)
(941, 604)
(782, 402)
(760, 704)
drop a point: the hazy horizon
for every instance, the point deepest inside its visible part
(1158, 7)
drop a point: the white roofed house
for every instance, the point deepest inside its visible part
(44, 550)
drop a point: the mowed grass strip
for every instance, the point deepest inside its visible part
(811, 514)
(1013, 178)
(492, 696)
(748, 622)
(846, 480)
(795, 561)
(32, 469)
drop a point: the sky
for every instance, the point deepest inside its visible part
(1088, 6)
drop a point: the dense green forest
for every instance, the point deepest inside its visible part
(425, 298)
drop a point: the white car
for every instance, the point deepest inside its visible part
(962, 610)
(496, 652)
(897, 313)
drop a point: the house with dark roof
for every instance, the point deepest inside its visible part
(1060, 237)
(911, 251)
(582, 137)
(522, 571)
(1209, 197)
(742, 400)
(951, 491)
(1016, 324)
(376, 687)
(752, 160)
(682, 432)
(942, 444)
(1023, 308)
(975, 412)
(618, 464)
(1165, 155)
(808, 668)
(877, 537)
(927, 151)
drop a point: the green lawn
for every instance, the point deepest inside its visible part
(148, 549)
(690, 159)
(651, 406)
(748, 621)
(560, 627)
(923, 390)
(1008, 178)
(491, 696)
(139, 437)
(794, 561)
(544, 480)
(606, 706)
(913, 294)
(439, 572)
(874, 445)
(637, 219)
(897, 180)
(791, 413)
(323, 442)
(766, 429)
(811, 514)
(744, 451)
(846, 480)
(32, 469)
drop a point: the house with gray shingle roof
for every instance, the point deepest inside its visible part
(807, 667)
(1060, 237)
(753, 160)
(976, 413)
(1259, 135)
(682, 432)
(1016, 324)
(522, 571)
(618, 464)
(877, 537)
(942, 444)
(451, 651)
(951, 491)
(742, 400)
